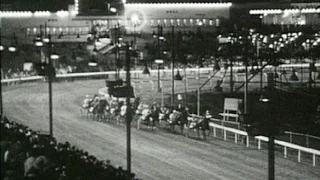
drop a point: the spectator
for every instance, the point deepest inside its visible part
(29, 155)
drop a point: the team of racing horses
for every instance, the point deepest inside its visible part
(108, 109)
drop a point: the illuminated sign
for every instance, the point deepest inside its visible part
(286, 11)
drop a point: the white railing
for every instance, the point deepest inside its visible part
(138, 73)
(22, 79)
(306, 136)
(286, 145)
(134, 74)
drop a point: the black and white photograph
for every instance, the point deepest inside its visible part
(160, 89)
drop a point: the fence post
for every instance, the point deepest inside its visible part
(259, 144)
(214, 132)
(151, 84)
(225, 134)
(299, 155)
(285, 152)
(247, 141)
(235, 138)
(314, 159)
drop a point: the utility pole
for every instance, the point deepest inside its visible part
(231, 66)
(128, 113)
(246, 76)
(271, 157)
(172, 63)
(116, 43)
(50, 78)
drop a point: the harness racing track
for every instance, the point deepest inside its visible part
(155, 155)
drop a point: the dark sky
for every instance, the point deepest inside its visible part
(35, 5)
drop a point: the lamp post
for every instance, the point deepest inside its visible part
(159, 62)
(232, 41)
(270, 130)
(172, 64)
(50, 74)
(117, 46)
(128, 113)
(135, 20)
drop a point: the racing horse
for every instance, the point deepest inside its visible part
(177, 118)
(113, 110)
(201, 124)
(98, 109)
(148, 116)
(164, 114)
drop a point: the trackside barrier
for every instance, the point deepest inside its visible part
(153, 72)
(22, 79)
(285, 145)
(307, 136)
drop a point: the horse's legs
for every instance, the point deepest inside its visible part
(209, 131)
(204, 134)
(171, 127)
(187, 130)
(118, 120)
(198, 132)
(181, 128)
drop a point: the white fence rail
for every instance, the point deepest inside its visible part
(285, 145)
(153, 72)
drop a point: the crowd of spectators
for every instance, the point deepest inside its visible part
(26, 154)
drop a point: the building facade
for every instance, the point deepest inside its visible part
(146, 16)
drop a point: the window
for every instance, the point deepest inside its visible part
(178, 22)
(210, 22)
(158, 21)
(185, 22)
(191, 22)
(172, 22)
(73, 30)
(204, 21)
(34, 30)
(217, 22)
(152, 22)
(165, 21)
(28, 31)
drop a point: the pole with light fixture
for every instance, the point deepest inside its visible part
(128, 113)
(159, 62)
(116, 43)
(172, 66)
(50, 72)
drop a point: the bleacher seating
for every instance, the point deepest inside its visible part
(26, 154)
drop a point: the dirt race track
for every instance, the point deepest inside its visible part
(155, 155)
